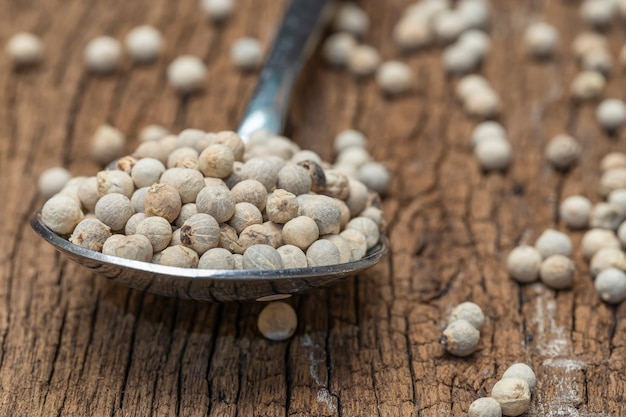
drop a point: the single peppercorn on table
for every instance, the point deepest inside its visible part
(77, 345)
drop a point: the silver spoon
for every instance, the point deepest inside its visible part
(297, 35)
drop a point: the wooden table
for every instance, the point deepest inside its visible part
(73, 344)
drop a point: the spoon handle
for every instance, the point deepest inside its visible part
(297, 36)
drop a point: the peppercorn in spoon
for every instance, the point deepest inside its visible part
(297, 35)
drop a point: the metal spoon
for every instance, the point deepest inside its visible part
(297, 35)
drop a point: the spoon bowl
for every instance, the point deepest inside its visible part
(208, 284)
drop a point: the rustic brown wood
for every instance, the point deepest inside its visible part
(72, 344)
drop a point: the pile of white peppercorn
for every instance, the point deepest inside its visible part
(461, 336)
(549, 260)
(510, 396)
(207, 200)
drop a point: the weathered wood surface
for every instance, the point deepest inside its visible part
(72, 344)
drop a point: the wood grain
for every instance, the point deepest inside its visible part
(72, 344)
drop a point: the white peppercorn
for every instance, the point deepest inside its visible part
(189, 138)
(613, 160)
(513, 395)
(394, 77)
(557, 272)
(216, 161)
(357, 199)
(357, 242)
(157, 230)
(470, 312)
(483, 103)
(575, 210)
(292, 257)
(595, 239)
(412, 32)
(611, 114)
(345, 249)
(471, 84)
(217, 258)
(261, 257)
(114, 210)
(563, 151)
(214, 181)
(175, 238)
(337, 47)
(448, 25)
(523, 264)
(460, 338)
(485, 407)
(337, 184)
(375, 176)
(294, 179)
(345, 213)
(281, 147)
(586, 42)
(246, 53)
(119, 182)
(162, 200)
(277, 321)
(611, 285)
(597, 13)
(305, 155)
(153, 133)
(187, 74)
(553, 242)
(90, 234)
(607, 258)
(200, 232)
(153, 149)
(363, 60)
(606, 216)
(218, 10)
(130, 228)
(186, 211)
(476, 41)
(256, 234)
(88, 193)
(250, 191)
(263, 170)
(599, 60)
(134, 247)
(494, 154)
(301, 231)
(137, 198)
(217, 201)
(24, 49)
(541, 39)
(521, 371)
(612, 179)
(146, 172)
(322, 252)
(474, 12)
(245, 215)
(183, 155)
(459, 59)
(179, 256)
(349, 138)
(282, 206)
(103, 54)
(274, 232)
(233, 141)
(322, 210)
(107, 143)
(188, 182)
(316, 173)
(52, 181)
(587, 85)
(366, 226)
(351, 18)
(487, 130)
(143, 43)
